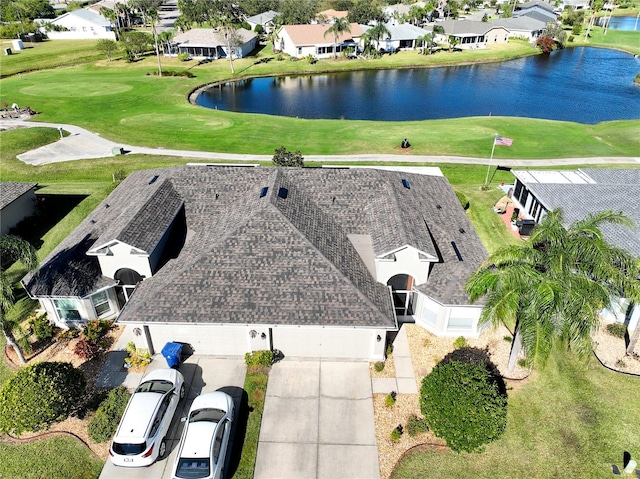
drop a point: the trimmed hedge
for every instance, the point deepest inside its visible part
(105, 421)
(39, 395)
(463, 401)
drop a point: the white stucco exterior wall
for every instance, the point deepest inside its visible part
(122, 257)
(407, 261)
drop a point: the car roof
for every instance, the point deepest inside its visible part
(197, 443)
(166, 374)
(213, 400)
(137, 417)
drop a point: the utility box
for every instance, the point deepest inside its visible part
(117, 151)
(7, 51)
(526, 227)
(18, 45)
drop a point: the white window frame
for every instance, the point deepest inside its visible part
(97, 304)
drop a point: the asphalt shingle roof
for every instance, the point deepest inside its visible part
(11, 191)
(272, 260)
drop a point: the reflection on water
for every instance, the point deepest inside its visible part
(586, 85)
(621, 23)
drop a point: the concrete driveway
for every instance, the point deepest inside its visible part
(202, 374)
(318, 422)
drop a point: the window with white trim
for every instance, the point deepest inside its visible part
(101, 303)
(67, 309)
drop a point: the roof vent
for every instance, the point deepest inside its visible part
(217, 195)
(456, 250)
(106, 205)
(461, 230)
(438, 207)
(154, 179)
(263, 191)
(93, 222)
(283, 192)
(406, 184)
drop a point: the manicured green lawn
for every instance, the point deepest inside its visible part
(255, 385)
(121, 102)
(570, 420)
(54, 458)
(624, 40)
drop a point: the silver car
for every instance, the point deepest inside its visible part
(140, 437)
(205, 441)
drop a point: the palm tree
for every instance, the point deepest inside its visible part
(426, 42)
(379, 31)
(153, 15)
(111, 15)
(339, 26)
(552, 288)
(13, 249)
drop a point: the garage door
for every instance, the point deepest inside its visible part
(208, 340)
(330, 343)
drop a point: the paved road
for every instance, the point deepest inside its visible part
(82, 144)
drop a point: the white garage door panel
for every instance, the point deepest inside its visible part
(322, 342)
(208, 340)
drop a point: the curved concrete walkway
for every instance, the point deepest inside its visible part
(82, 144)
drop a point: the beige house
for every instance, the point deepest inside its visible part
(303, 40)
(472, 35)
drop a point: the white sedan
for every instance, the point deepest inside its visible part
(204, 444)
(140, 437)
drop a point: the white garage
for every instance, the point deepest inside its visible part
(204, 339)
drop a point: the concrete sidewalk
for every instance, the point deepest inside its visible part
(82, 144)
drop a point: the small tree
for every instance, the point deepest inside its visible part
(108, 47)
(283, 157)
(39, 395)
(464, 401)
(546, 44)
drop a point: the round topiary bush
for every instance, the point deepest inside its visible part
(104, 423)
(38, 395)
(463, 400)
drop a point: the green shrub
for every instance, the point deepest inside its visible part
(459, 343)
(105, 421)
(508, 338)
(390, 399)
(173, 73)
(96, 329)
(259, 358)
(42, 327)
(69, 334)
(138, 357)
(389, 350)
(378, 366)
(576, 29)
(416, 425)
(464, 403)
(311, 59)
(617, 329)
(462, 198)
(184, 57)
(396, 434)
(39, 395)
(522, 362)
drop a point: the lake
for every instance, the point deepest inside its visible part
(621, 23)
(585, 85)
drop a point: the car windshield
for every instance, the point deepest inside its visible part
(155, 386)
(128, 449)
(212, 415)
(193, 468)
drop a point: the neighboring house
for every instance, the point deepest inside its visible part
(17, 202)
(265, 20)
(317, 262)
(402, 36)
(581, 5)
(397, 10)
(330, 14)
(538, 10)
(579, 193)
(212, 44)
(79, 25)
(522, 27)
(302, 40)
(473, 34)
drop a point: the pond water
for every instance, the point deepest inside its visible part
(622, 23)
(585, 85)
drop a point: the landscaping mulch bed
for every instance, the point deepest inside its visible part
(62, 350)
(426, 351)
(612, 352)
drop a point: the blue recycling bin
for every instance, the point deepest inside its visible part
(172, 352)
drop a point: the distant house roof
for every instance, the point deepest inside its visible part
(84, 14)
(536, 4)
(281, 257)
(263, 18)
(331, 13)
(466, 27)
(315, 34)
(11, 191)
(591, 190)
(524, 23)
(403, 31)
(399, 8)
(208, 37)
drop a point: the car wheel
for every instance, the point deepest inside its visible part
(182, 391)
(162, 449)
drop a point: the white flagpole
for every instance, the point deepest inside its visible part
(486, 179)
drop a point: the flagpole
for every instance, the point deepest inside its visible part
(486, 179)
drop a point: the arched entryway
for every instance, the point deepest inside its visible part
(401, 289)
(127, 280)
